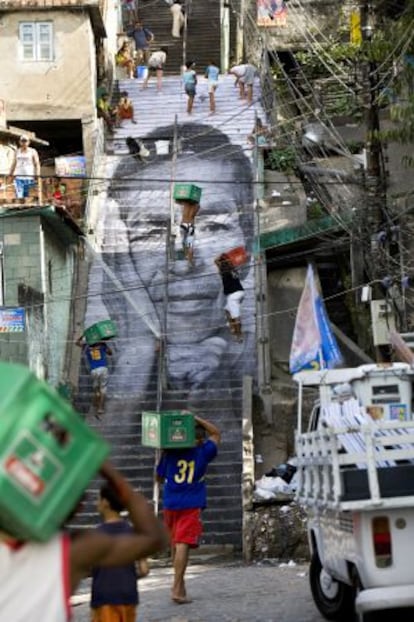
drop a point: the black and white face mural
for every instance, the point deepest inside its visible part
(157, 294)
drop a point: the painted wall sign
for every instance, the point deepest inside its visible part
(271, 13)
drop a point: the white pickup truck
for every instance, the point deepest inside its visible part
(356, 480)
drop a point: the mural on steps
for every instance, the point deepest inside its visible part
(168, 310)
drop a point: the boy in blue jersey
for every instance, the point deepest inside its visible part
(97, 360)
(185, 496)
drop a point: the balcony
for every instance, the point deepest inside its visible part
(67, 195)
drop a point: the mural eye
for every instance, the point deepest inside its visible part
(214, 227)
(145, 233)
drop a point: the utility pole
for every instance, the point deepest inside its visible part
(373, 218)
(375, 180)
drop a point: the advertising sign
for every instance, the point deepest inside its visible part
(70, 166)
(12, 320)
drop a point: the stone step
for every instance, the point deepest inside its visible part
(202, 42)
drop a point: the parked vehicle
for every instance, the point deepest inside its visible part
(356, 480)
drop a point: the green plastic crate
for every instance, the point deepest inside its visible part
(101, 330)
(187, 192)
(172, 429)
(48, 455)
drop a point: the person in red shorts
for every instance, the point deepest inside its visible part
(185, 496)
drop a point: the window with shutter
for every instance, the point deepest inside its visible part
(36, 41)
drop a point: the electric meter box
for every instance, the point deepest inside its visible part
(382, 321)
(48, 455)
(171, 429)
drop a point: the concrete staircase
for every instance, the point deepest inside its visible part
(203, 32)
(207, 377)
(153, 110)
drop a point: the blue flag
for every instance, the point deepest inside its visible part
(313, 343)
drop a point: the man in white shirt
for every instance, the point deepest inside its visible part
(25, 167)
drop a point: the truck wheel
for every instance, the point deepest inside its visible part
(334, 599)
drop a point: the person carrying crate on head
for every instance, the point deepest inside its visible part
(97, 358)
(50, 456)
(182, 473)
(187, 228)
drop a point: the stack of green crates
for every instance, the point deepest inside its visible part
(171, 429)
(187, 192)
(48, 455)
(106, 329)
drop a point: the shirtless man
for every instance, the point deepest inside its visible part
(190, 210)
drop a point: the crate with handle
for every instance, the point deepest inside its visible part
(105, 329)
(48, 455)
(187, 192)
(171, 429)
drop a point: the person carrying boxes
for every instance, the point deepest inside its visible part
(234, 293)
(54, 569)
(187, 228)
(49, 456)
(96, 355)
(185, 496)
(188, 196)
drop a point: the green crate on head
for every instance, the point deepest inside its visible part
(171, 429)
(101, 330)
(48, 455)
(187, 192)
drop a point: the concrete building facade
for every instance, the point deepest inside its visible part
(49, 54)
(37, 267)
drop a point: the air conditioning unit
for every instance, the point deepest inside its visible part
(382, 321)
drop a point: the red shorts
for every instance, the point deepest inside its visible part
(184, 526)
(125, 113)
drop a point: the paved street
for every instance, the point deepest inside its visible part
(226, 592)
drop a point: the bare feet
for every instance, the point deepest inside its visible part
(181, 600)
